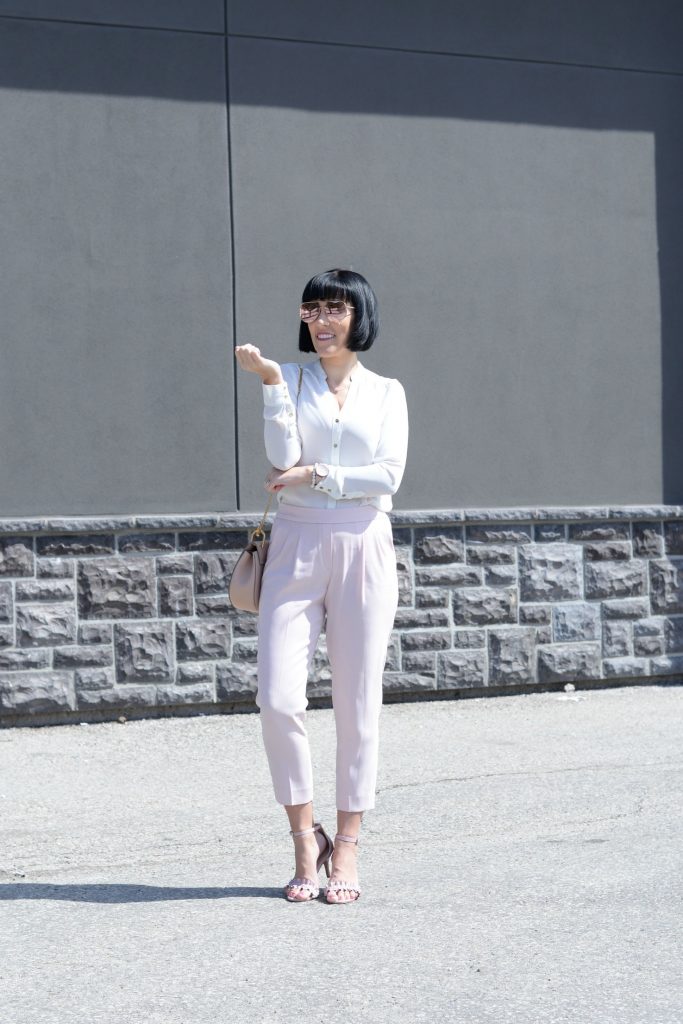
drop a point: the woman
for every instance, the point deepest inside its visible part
(338, 450)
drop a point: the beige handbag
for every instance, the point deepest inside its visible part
(244, 587)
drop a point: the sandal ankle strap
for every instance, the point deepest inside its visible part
(306, 831)
(348, 839)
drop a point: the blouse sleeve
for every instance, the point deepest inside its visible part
(283, 444)
(384, 474)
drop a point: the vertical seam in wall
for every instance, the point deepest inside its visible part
(231, 224)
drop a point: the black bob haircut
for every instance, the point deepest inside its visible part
(354, 289)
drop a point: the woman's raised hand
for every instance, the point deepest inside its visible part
(249, 358)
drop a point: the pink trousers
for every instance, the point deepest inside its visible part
(339, 563)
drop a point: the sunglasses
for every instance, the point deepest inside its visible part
(310, 311)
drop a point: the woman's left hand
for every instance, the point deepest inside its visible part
(279, 478)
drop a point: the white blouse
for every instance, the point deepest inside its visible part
(364, 444)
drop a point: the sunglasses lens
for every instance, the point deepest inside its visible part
(309, 311)
(336, 309)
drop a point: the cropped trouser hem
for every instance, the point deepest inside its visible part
(333, 570)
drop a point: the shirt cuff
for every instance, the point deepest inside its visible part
(273, 394)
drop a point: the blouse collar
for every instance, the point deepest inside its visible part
(358, 369)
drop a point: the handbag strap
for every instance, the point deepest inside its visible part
(259, 528)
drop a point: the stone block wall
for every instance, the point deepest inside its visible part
(130, 616)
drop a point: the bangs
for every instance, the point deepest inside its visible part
(328, 286)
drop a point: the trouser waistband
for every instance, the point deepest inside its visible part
(307, 514)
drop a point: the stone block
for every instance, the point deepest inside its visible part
(628, 608)
(577, 620)
(191, 693)
(436, 544)
(608, 551)
(667, 665)
(484, 606)
(500, 576)
(203, 641)
(175, 565)
(462, 668)
(616, 639)
(213, 605)
(599, 531)
(83, 657)
(175, 596)
(511, 655)
(36, 657)
(568, 662)
(448, 576)
(94, 679)
(74, 545)
(212, 571)
(421, 662)
(423, 618)
(33, 692)
(672, 631)
(607, 580)
(550, 572)
(547, 533)
(672, 537)
(236, 682)
(544, 634)
(45, 590)
(95, 633)
(469, 638)
(125, 697)
(490, 554)
(666, 586)
(393, 659)
(144, 652)
(431, 597)
(45, 625)
(242, 623)
(148, 541)
(650, 626)
(55, 568)
(427, 640)
(407, 682)
(213, 540)
(16, 556)
(244, 650)
(624, 668)
(535, 614)
(195, 672)
(404, 571)
(648, 646)
(648, 540)
(6, 603)
(117, 588)
(509, 533)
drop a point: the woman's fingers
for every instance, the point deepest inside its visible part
(249, 357)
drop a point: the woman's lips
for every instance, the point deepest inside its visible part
(325, 337)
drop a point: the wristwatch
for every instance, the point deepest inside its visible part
(320, 471)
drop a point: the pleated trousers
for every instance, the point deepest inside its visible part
(332, 568)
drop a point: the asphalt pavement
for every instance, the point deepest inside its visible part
(523, 863)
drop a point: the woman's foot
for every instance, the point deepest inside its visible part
(307, 849)
(344, 869)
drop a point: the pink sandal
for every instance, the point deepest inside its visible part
(341, 886)
(323, 858)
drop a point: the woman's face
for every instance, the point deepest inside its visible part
(330, 335)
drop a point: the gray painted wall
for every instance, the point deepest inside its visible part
(509, 186)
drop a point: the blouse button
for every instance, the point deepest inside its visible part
(334, 445)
